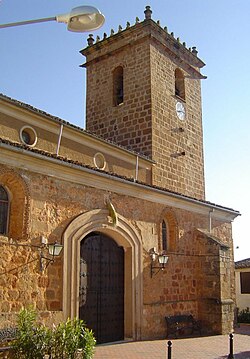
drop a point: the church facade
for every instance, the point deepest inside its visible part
(125, 198)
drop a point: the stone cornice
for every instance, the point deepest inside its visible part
(154, 28)
(153, 31)
(72, 172)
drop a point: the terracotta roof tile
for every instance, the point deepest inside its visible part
(244, 263)
(66, 160)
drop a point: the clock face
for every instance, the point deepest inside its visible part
(180, 110)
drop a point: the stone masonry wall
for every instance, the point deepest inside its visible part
(75, 146)
(128, 124)
(53, 205)
(172, 136)
(146, 121)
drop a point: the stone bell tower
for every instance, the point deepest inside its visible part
(143, 92)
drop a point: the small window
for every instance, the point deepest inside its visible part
(179, 84)
(245, 282)
(99, 161)
(164, 236)
(4, 210)
(28, 136)
(168, 229)
(118, 86)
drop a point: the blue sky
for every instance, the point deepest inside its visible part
(39, 65)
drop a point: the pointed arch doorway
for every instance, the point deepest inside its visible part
(101, 292)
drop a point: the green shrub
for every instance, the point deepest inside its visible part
(88, 344)
(69, 340)
(72, 340)
(32, 341)
(244, 316)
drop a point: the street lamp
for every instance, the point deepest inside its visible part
(79, 19)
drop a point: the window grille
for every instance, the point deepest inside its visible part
(164, 236)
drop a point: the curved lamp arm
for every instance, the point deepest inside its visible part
(80, 19)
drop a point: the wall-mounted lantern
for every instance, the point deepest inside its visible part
(53, 249)
(162, 261)
(47, 251)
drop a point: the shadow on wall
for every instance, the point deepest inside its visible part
(241, 355)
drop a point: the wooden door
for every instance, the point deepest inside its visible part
(102, 287)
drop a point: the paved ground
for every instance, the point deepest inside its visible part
(214, 347)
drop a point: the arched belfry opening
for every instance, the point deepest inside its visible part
(92, 249)
(118, 91)
(179, 84)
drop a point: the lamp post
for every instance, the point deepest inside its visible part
(79, 19)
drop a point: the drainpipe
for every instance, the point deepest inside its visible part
(59, 140)
(136, 168)
(210, 219)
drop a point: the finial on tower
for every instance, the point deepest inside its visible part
(90, 40)
(148, 13)
(194, 51)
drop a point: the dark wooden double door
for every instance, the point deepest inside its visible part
(101, 303)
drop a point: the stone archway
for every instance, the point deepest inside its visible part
(124, 235)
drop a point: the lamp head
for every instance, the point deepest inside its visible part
(82, 18)
(55, 249)
(163, 259)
